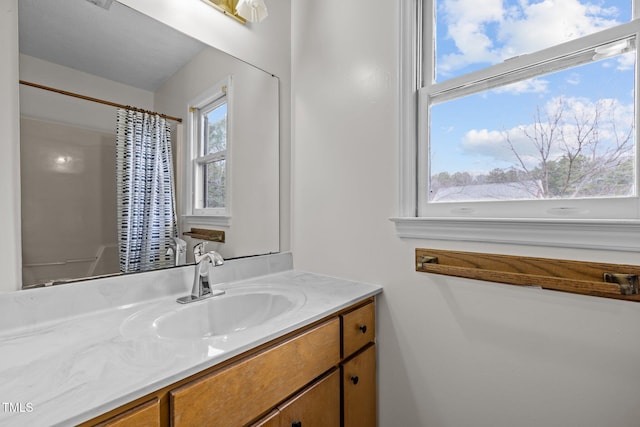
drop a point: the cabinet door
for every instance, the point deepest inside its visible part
(271, 420)
(359, 389)
(145, 415)
(239, 393)
(316, 406)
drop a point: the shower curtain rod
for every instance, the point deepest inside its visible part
(99, 101)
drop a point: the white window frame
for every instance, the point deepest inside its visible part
(564, 226)
(220, 93)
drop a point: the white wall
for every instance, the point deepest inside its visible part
(265, 45)
(452, 352)
(68, 201)
(254, 147)
(50, 106)
(10, 260)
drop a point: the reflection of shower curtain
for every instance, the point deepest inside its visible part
(145, 195)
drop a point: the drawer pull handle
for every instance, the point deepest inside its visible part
(363, 328)
(355, 379)
(296, 424)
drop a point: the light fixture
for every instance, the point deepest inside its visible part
(228, 7)
(252, 10)
(240, 10)
(105, 4)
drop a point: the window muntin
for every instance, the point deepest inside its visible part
(475, 99)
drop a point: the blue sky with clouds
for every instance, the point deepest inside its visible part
(468, 134)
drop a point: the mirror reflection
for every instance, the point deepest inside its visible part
(71, 219)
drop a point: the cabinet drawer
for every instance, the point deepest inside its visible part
(358, 329)
(271, 420)
(219, 399)
(359, 389)
(145, 415)
(316, 406)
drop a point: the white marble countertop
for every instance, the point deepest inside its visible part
(74, 368)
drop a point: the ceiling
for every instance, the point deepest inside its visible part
(118, 44)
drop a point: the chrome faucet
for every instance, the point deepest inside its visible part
(201, 288)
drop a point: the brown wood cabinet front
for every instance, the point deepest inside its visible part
(358, 329)
(271, 420)
(316, 406)
(358, 368)
(240, 393)
(145, 415)
(359, 389)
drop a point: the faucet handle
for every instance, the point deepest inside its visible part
(198, 250)
(199, 253)
(216, 258)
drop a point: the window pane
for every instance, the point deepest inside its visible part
(473, 34)
(564, 135)
(215, 130)
(214, 184)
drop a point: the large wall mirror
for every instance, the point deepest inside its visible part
(69, 229)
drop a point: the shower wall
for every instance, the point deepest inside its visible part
(68, 202)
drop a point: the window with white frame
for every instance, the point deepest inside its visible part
(468, 161)
(208, 165)
(527, 109)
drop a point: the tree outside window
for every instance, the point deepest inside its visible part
(555, 122)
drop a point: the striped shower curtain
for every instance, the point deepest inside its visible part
(145, 194)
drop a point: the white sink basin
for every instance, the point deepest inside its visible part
(237, 310)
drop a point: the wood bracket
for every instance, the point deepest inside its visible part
(426, 260)
(628, 282)
(580, 277)
(205, 234)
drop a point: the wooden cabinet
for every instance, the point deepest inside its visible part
(316, 406)
(359, 389)
(145, 415)
(323, 375)
(358, 369)
(358, 329)
(242, 392)
(271, 420)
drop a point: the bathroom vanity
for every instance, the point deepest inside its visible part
(293, 380)
(293, 349)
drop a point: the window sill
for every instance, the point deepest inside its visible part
(617, 235)
(215, 221)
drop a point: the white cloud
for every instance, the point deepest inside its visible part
(626, 62)
(615, 118)
(484, 142)
(574, 79)
(498, 30)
